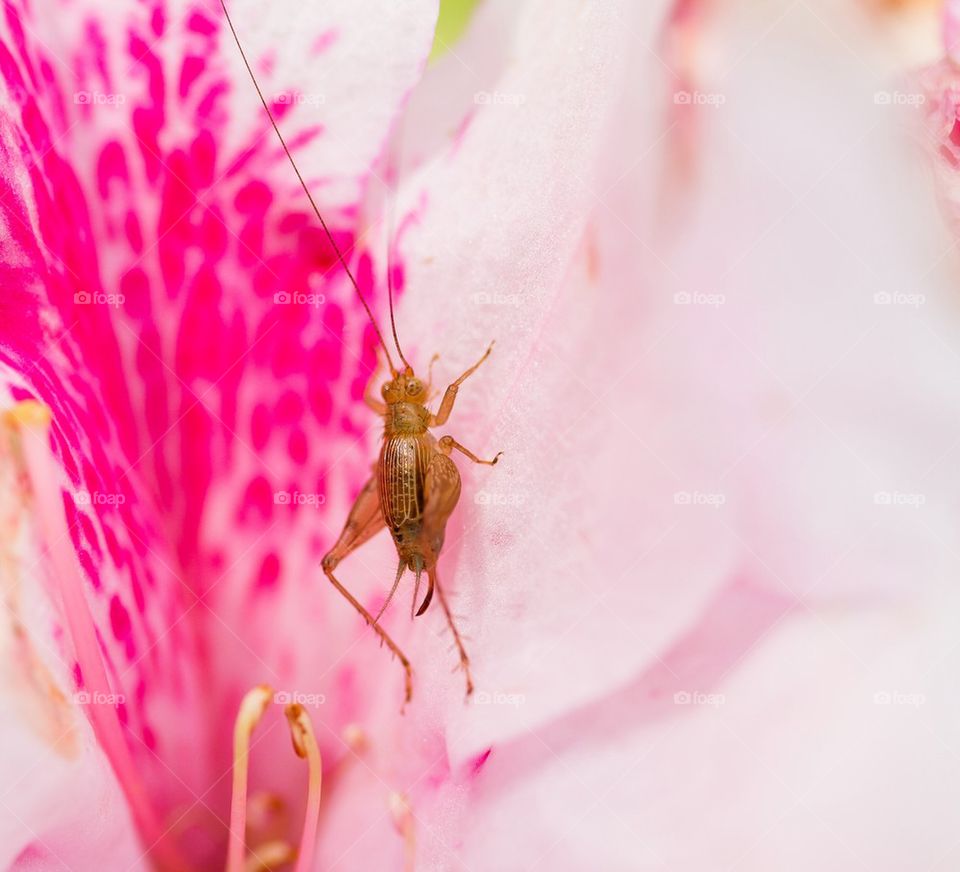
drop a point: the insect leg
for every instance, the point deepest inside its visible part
(441, 491)
(365, 520)
(447, 443)
(369, 397)
(464, 659)
(446, 404)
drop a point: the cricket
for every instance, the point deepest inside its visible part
(415, 485)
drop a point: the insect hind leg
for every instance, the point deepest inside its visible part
(464, 658)
(364, 521)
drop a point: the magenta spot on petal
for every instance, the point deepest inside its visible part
(479, 760)
(89, 533)
(119, 619)
(260, 426)
(321, 402)
(112, 165)
(298, 446)
(87, 565)
(131, 227)
(955, 133)
(207, 106)
(117, 554)
(192, 67)
(259, 497)
(324, 41)
(20, 394)
(157, 21)
(269, 572)
(136, 292)
(289, 408)
(253, 198)
(138, 596)
(203, 155)
(201, 24)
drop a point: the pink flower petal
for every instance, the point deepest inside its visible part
(146, 236)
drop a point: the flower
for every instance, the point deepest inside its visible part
(709, 590)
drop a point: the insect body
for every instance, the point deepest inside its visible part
(415, 486)
(413, 491)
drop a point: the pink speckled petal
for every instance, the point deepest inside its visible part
(149, 221)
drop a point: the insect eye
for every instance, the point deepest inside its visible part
(414, 387)
(385, 389)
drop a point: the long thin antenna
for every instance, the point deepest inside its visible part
(306, 190)
(391, 202)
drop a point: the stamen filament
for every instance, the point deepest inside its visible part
(305, 744)
(251, 711)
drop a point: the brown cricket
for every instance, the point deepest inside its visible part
(415, 485)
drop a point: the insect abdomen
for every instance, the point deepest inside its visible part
(402, 468)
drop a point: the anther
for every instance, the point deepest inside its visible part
(305, 744)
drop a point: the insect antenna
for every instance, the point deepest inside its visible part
(306, 190)
(390, 205)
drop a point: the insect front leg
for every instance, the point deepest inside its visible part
(369, 397)
(450, 395)
(448, 443)
(363, 522)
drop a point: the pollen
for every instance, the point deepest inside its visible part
(28, 413)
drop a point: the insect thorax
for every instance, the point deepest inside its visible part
(406, 419)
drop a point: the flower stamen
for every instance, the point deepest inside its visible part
(305, 744)
(252, 708)
(269, 856)
(273, 852)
